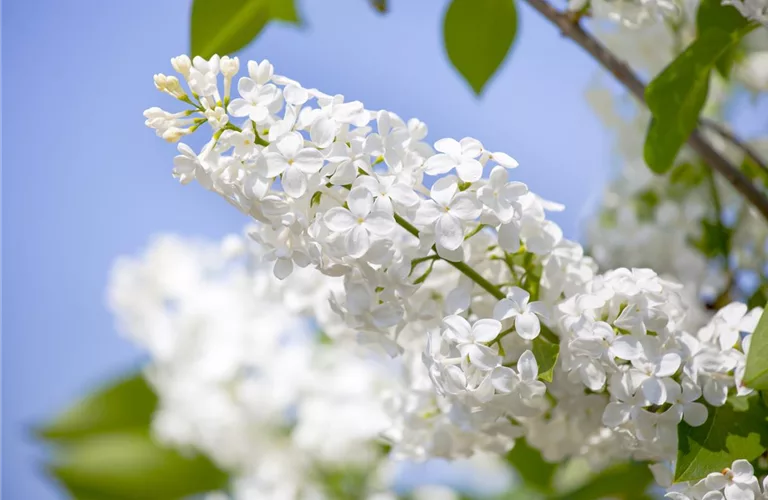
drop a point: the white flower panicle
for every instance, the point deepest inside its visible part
(502, 327)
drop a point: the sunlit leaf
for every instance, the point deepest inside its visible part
(732, 431)
(226, 26)
(478, 35)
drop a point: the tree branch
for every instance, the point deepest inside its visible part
(726, 134)
(570, 28)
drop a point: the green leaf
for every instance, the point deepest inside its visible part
(756, 372)
(676, 96)
(380, 6)
(226, 26)
(130, 466)
(713, 15)
(284, 10)
(732, 431)
(715, 239)
(478, 35)
(535, 472)
(546, 356)
(626, 481)
(126, 404)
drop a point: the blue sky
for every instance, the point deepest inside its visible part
(84, 181)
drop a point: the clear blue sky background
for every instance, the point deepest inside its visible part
(84, 181)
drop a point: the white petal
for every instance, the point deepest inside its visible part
(654, 391)
(448, 232)
(403, 194)
(715, 481)
(443, 190)
(439, 164)
(742, 468)
(616, 414)
(527, 366)
(276, 164)
(626, 347)
(504, 309)
(294, 182)
(715, 393)
(323, 132)
(482, 356)
(339, 219)
(427, 213)
(527, 326)
(309, 160)
(471, 147)
(668, 364)
(357, 241)
(469, 170)
(458, 326)
(509, 237)
(380, 223)
(449, 146)
(695, 414)
(283, 268)
(290, 144)
(465, 206)
(457, 301)
(360, 201)
(504, 379)
(735, 491)
(239, 107)
(593, 375)
(485, 330)
(504, 160)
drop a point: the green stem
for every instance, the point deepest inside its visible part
(461, 266)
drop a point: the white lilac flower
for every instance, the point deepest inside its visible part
(525, 314)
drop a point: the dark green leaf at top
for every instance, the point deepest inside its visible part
(478, 35)
(226, 26)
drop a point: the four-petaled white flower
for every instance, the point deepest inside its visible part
(294, 162)
(359, 222)
(471, 339)
(255, 100)
(738, 482)
(447, 210)
(459, 155)
(516, 305)
(502, 196)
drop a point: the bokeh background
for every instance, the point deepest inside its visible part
(84, 181)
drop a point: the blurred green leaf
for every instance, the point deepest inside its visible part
(731, 432)
(546, 356)
(535, 472)
(676, 96)
(626, 481)
(126, 404)
(713, 15)
(226, 26)
(478, 35)
(714, 240)
(131, 466)
(756, 373)
(380, 6)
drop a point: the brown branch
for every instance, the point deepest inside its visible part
(745, 148)
(624, 74)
